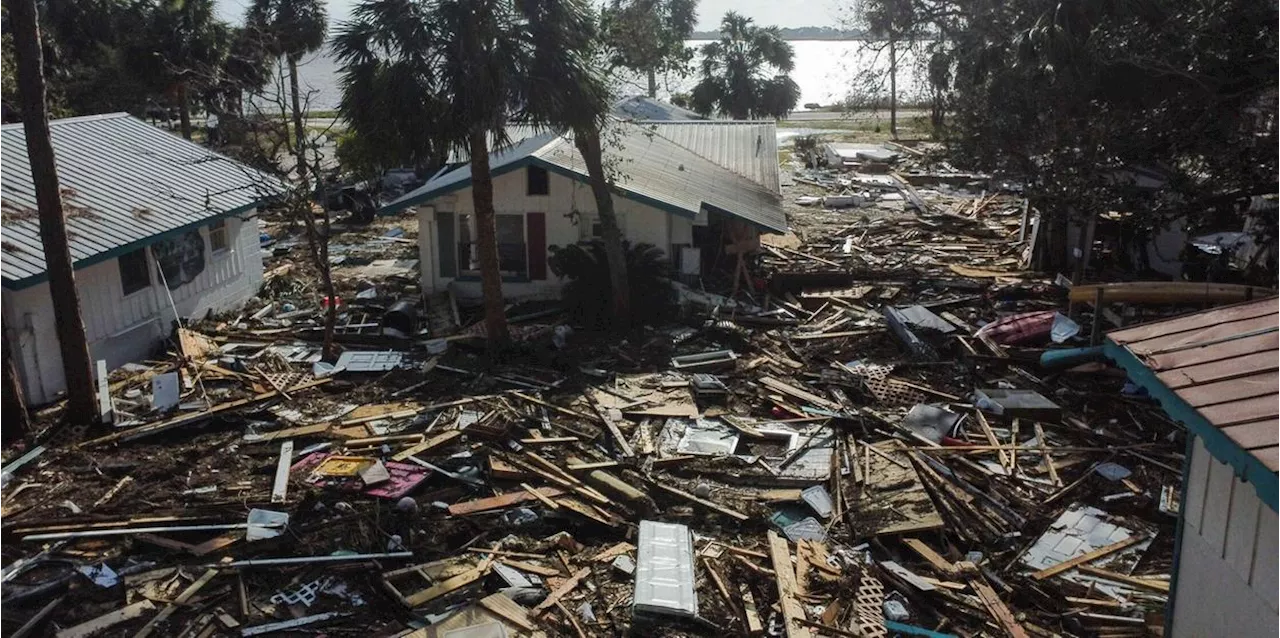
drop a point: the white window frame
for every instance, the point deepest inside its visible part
(222, 228)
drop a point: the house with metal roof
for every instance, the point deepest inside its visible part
(1216, 373)
(159, 228)
(695, 189)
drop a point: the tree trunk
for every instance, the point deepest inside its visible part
(184, 109)
(893, 85)
(299, 133)
(587, 139)
(73, 344)
(18, 423)
(653, 83)
(495, 315)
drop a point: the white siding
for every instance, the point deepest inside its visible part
(1226, 582)
(639, 222)
(126, 328)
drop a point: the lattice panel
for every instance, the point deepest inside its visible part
(868, 608)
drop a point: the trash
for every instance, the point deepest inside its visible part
(664, 571)
(100, 575)
(1063, 328)
(930, 422)
(818, 498)
(264, 524)
(165, 391)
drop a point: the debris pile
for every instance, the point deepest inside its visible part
(867, 446)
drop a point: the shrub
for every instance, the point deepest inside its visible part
(587, 295)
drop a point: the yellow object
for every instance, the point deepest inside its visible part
(343, 465)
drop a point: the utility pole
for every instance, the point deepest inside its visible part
(82, 406)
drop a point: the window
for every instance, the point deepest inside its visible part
(539, 181)
(218, 236)
(134, 272)
(511, 255)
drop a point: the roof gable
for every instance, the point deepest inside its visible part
(124, 183)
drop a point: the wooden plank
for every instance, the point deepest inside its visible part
(560, 592)
(1088, 557)
(997, 608)
(91, 627)
(1208, 335)
(624, 447)
(500, 501)
(1205, 354)
(448, 585)
(1195, 321)
(785, 577)
(181, 600)
(1232, 390)
(798, 393)
(754, 626)
(1246, 411)
(429, 444)
(39, 617)
(941, 564)
(304, 430)
(1254, 435)
(991, 437)
(500, 605)
(538, 495)
(549, 440)
(1170, 292)
(1270, 457)
(1154, 585)
(188, 419)
(613, 552)
(703, 502)
(530, 567)
(280, 488)
(1048, 460)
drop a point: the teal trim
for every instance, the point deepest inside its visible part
(912, 630)
(27, 282)
(532, 160)
(1246, 466)
(1177, 537)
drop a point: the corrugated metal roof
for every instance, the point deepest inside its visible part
(123, 181)
(640, 107)
(652, 169)
(1217, 372)
(748, 148)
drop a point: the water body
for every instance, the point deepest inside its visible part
(824, 69)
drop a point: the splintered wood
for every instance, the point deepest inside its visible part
(894, 500)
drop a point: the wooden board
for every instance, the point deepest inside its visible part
(785, 577)
(500, 501)
(894, 500)
(97, 625)
(431, 443)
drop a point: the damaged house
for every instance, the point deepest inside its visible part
(159, 228)
(698, 190)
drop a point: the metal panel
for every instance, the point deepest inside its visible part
(664, 570)
(1197, 481)
(1242, 530)
(369, 361)
(1216, 504)
(747, 148)
(1265, 570)
(123, 182)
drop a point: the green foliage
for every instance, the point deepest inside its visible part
(418, 77)
(358, 157)
(587, 294)
(648, 36)
(745, 73)
(287, 28)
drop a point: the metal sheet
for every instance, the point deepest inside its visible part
(123, 181)
(664, 570)
(369, 361)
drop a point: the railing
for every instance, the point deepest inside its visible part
(513, 259)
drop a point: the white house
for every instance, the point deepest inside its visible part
(1215, 372)
(695, 189)
(158, 227)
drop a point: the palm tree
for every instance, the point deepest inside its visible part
(744, 74)
(184, 49)
(73, 343)
(290, 29)
(648, 36)
(465, 69)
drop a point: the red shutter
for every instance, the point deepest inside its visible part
(536, 243)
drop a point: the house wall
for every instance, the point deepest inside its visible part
(640, 224)
(1226, 570)
(124, 328)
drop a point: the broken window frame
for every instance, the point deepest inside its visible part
(135, 276)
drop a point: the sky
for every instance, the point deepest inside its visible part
(782, 13)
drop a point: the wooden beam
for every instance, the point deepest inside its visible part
(448, 585)
(500, 501)
(429, 444)
(564, 588)
(187, 594)
(1154, 585)
(785, 577)
(538, 495)
(941, 564)
(703, 502)
(1088, 557)
(96, 625)
(997, 608)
